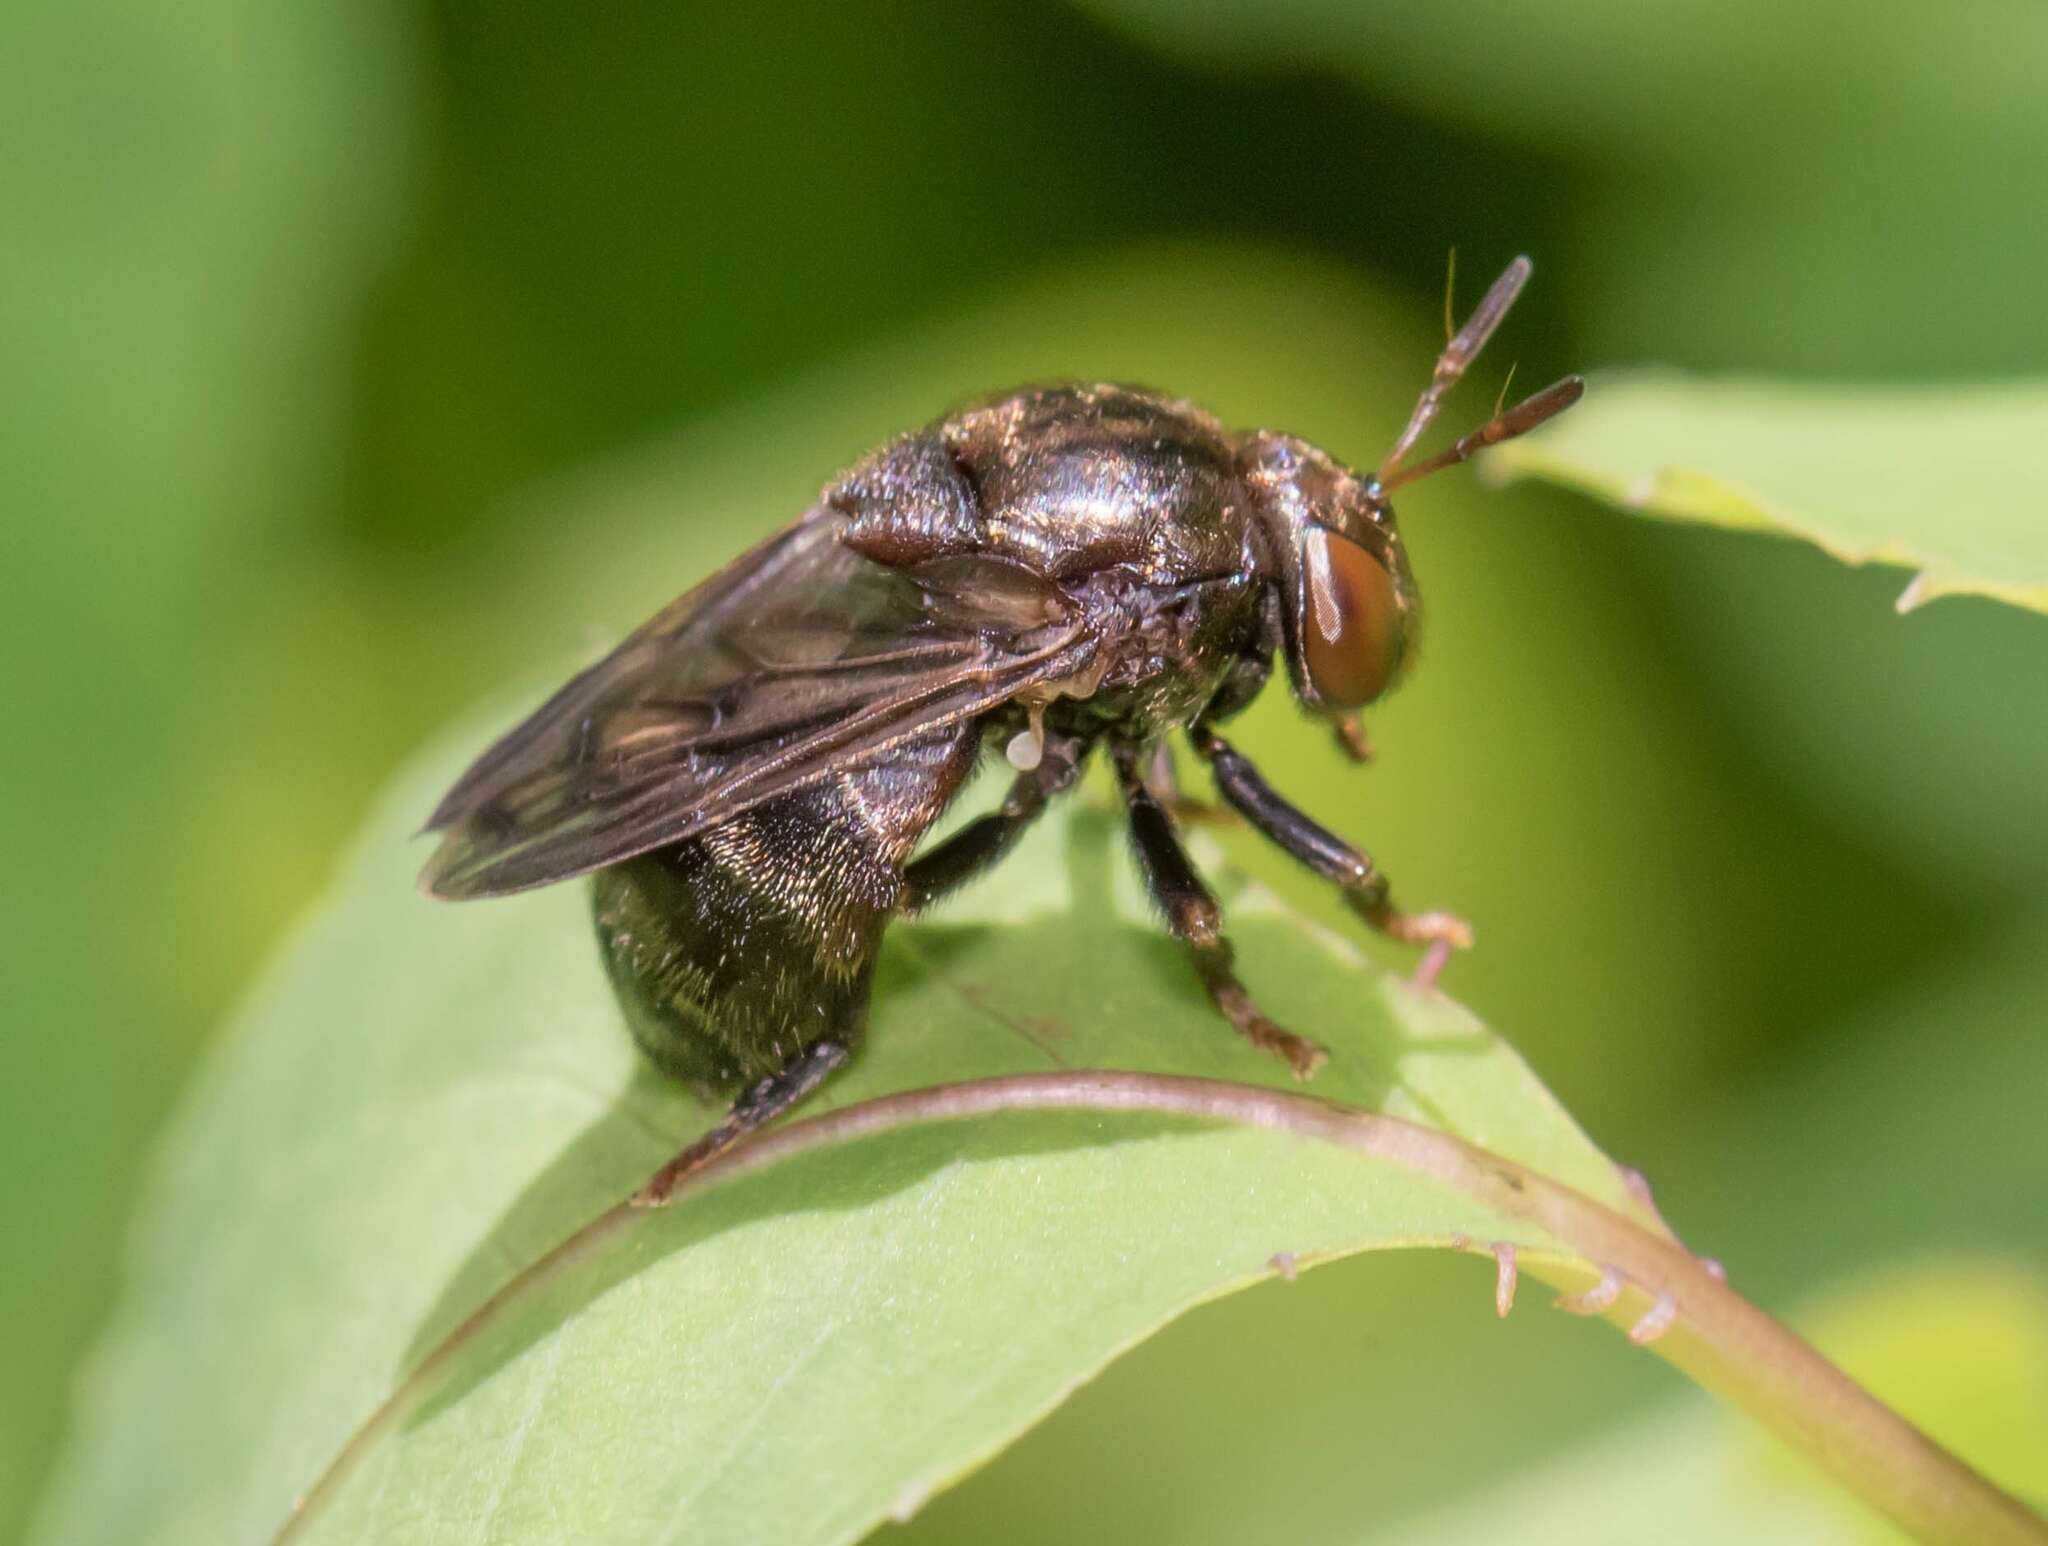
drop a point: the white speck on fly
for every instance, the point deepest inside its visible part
(1026, 749)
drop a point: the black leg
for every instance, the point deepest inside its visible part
(1364, 887)
(981, 842)
(1192, 915)
(766, 1100)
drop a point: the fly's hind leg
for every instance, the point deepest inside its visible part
(1196, 921)
(763, 1102)
(745, 956)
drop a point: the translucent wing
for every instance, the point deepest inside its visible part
(801, 658)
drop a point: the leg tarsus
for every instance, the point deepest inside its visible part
(1430, 928)
(1213, 964)
(1193, 917)
(762, 1103)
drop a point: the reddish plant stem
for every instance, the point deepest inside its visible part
(1719, 1338)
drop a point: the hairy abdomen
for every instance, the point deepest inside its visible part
(736, 949)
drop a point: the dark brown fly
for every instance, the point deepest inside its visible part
(750, 774)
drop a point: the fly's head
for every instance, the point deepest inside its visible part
(1349, 608)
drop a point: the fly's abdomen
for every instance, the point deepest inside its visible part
(734, 950)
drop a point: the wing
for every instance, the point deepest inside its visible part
(801, 658)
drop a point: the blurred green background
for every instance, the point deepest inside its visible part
(347, 355)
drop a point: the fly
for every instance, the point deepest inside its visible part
(1062, 570)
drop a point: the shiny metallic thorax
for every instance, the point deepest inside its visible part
(1132, 501)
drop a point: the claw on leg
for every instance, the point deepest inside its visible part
(1431, 966)
(1302, 1056)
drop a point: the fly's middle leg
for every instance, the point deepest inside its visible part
(1196, 921)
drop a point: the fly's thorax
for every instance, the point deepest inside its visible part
(1072, 480)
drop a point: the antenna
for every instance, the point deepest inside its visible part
(1460, 352)
(1518, 420)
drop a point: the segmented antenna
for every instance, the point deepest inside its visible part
(1458, 354)
(1518, 420)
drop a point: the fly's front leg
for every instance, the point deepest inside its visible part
(762, 1103)
(986, 839)
(1352, 740)
(1196, 921)
(1364, 887)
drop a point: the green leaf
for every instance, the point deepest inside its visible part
(424, 1098)
(1943, 480)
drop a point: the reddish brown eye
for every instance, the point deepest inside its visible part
(1351, 638)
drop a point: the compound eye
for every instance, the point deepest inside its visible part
(1351, 643)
